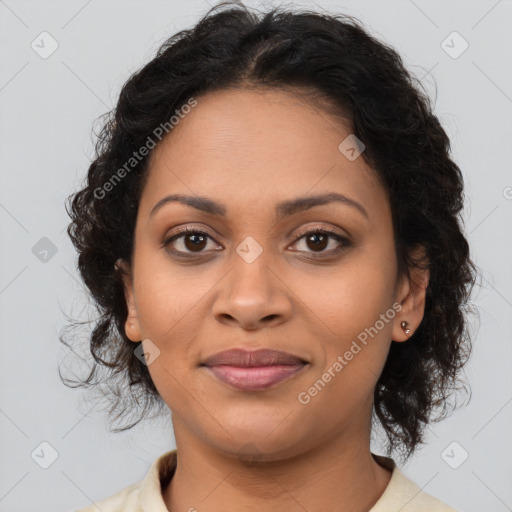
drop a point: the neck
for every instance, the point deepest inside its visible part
(339, 474)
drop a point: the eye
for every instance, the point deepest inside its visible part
(319, 239)
(189, 240)
(194, 240)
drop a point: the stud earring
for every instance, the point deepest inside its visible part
(404, 325)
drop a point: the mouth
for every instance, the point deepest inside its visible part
(254, 370)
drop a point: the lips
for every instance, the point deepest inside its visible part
(250, 359)
(253, 370)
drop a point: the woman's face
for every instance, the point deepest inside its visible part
(246, 282)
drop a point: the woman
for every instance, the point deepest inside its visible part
(271, 231)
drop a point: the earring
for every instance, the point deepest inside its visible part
(404, 325)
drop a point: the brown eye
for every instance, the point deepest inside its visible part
(194, 242)
(187, 241)
(317, 241)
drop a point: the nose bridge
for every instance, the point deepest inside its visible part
(252, 291)
(251, 270)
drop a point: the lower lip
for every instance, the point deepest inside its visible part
(254, 378)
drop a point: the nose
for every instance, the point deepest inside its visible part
(252, 296)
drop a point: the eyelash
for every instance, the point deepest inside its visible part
(345, 242)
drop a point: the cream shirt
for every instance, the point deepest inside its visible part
(400, 495)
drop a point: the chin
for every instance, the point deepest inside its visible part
(254, 446)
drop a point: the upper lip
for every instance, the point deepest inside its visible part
(252, 358)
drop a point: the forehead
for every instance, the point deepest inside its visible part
(245, 147)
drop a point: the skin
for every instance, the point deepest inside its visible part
(250, 150)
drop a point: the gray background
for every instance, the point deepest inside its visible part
(47, 108)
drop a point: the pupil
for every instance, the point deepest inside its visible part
(322, 243)
(318, 241)
(195, 244)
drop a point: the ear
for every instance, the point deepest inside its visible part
(411, 293)
(132, 326)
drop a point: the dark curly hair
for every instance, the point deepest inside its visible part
(332, 61)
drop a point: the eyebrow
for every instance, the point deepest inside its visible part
(283, 209)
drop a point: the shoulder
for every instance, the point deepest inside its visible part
(142, 496)
(404, 495)
(423, 502)
(126, 500)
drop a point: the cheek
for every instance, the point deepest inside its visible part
(346, 301)
(353, 328)
(169, 299)
(351, 315)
